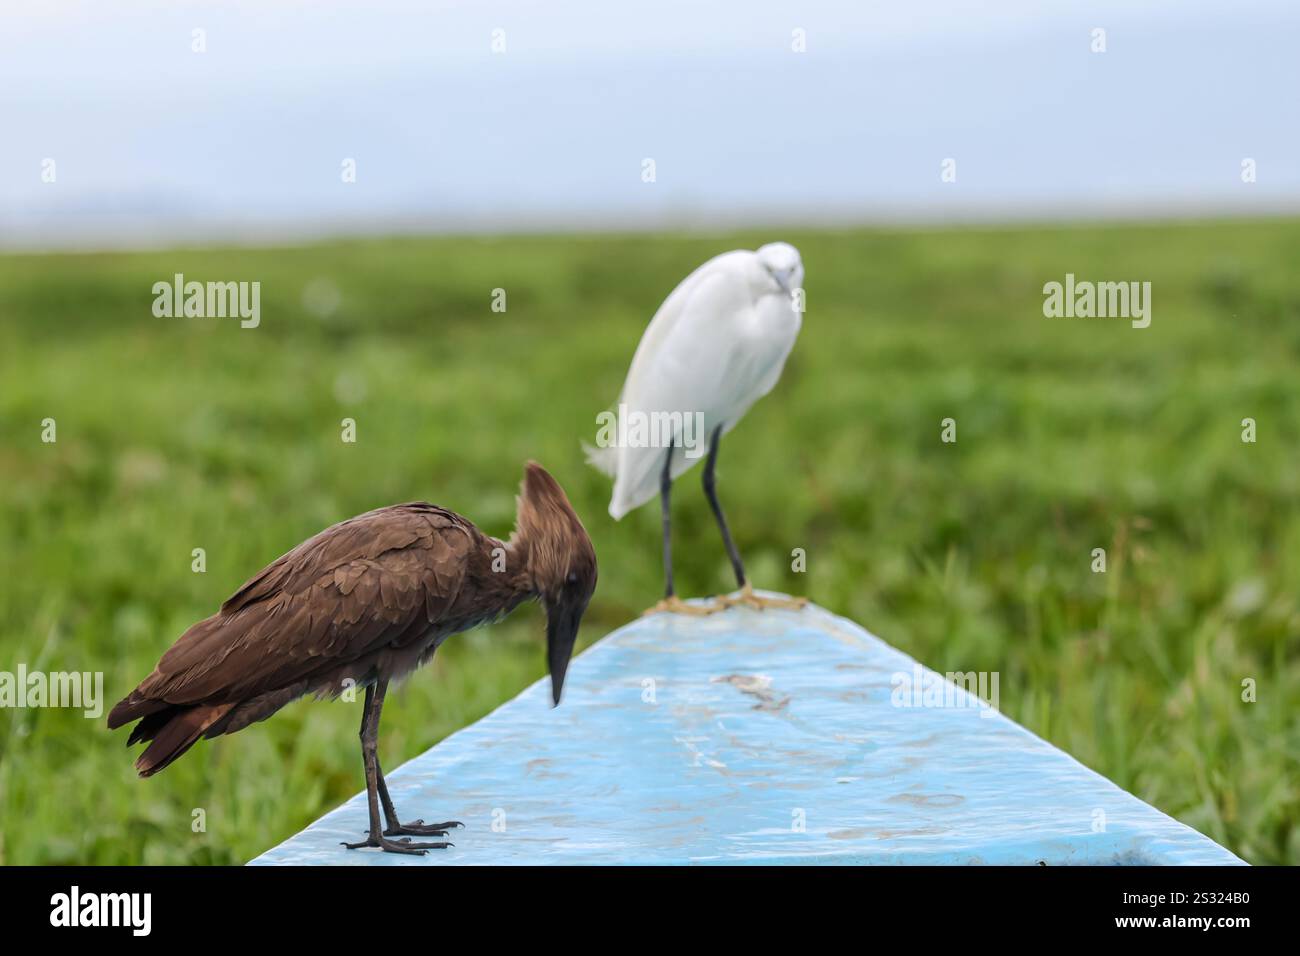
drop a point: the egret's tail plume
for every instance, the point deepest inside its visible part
(602, 459)
(606, 460)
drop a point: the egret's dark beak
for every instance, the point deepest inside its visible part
(562, 620)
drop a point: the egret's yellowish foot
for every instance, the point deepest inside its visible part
(746, 596)
(675, 605)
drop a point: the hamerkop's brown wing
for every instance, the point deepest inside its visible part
(381, 579)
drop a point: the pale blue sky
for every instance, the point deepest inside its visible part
(154, 142)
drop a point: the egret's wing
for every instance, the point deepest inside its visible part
(665, 319)
(670, 314)
(688, 365)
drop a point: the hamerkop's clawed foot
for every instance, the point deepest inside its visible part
(420, 828)
(398, 846)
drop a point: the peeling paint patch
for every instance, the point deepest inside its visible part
(854, 834)
(918, 831)
(701, 759)
(755, 685)
(928, 799)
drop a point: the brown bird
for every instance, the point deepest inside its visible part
(362, 603)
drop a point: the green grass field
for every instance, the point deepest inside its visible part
(1073, 434)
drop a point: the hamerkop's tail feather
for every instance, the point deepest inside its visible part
(173, 732)
(131, 707)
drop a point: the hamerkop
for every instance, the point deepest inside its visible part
(360, 604)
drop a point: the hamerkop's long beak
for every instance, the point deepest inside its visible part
(562, 620)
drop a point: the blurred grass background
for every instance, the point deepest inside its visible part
(1073, 434)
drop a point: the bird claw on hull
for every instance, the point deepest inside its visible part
(746, 596)
(398, 846)
(675, 605)
(420, 828)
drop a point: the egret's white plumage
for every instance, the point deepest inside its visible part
(717, 345)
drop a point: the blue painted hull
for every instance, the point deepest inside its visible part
(774, 737)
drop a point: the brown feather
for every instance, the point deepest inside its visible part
(177, 736)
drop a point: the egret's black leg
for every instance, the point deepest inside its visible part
(671, 602)
(746, 596)
(370, 711)
(665, 491)
(710, 491)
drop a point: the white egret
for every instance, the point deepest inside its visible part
(717, 345)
